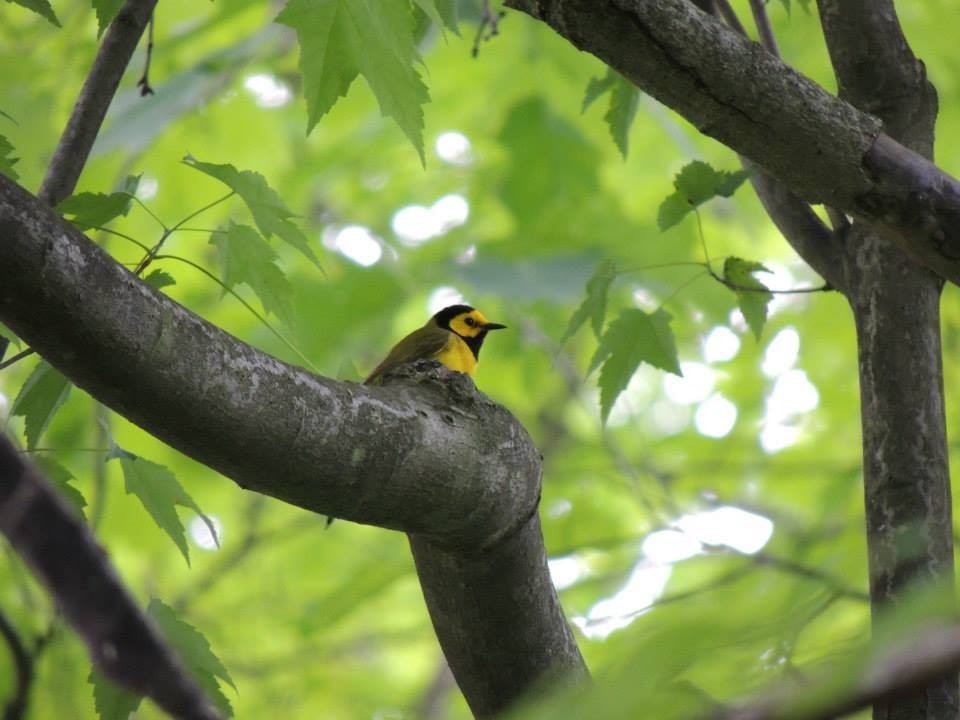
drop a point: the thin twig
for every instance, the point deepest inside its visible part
(764, 29)
(144, 82)
(730, 16)
(488, 19)
(98, 90)
(16, 358)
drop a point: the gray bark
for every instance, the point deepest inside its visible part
(821, 147)
(428, 454)
(896, 305)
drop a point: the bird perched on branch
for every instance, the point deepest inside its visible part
(452, 337)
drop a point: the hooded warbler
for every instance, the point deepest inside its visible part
(452, 337)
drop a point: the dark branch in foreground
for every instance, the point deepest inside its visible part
(920, 658)
(98, 90)
(63, 553)
(23, 664)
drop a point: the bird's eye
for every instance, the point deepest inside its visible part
(470, 321)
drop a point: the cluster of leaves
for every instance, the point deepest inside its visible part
(635, 336)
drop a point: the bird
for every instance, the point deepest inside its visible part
(452, 337)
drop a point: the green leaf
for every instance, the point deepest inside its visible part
(111, 701)
(634, 337)
(341, 38)
(160, 492)
(624, 101)
(786, 5)
(597, 87)
(6, 160)
(441, 12)
(159, 279)
(594, 305)
(270, 213)
(61, 479)
(95, 209)
(752, 295)
(106, 10)
(448, 13)
(696, 183)
(41, 7)
(9, 335)
(194, 650)
(247, 258)
(39, 399)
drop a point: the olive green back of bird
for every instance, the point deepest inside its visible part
(453, 337)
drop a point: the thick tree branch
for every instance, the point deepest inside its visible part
(920, 658)
(470, 613)
(730, 88)
(427, 454)
(117, 48)
(877, 71)
(63, 553)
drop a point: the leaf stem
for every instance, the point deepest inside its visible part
(243, 302)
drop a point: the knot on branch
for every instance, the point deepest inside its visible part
(474, 444)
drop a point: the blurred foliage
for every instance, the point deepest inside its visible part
(520, 200)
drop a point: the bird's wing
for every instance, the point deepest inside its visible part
(421, 344)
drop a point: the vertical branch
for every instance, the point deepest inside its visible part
(896, 304)
(98, 90)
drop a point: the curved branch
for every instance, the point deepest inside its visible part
(63, 553)
(117, 48)
(732, 89)
(427, 454)
(424, 455)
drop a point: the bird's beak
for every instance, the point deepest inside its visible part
(494, 326)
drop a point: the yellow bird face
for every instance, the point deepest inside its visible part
(470, 324)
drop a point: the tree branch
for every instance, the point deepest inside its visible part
(23, 663)
(732, 89)
(63, 553)
(427, 454)
(117, 48)
(464, 593)
(877, 71)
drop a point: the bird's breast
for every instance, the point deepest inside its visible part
(457, 355)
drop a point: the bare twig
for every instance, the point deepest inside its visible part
(729, 16)
(98, 90)
(15, 358)
(489, 26)
(144, 82)
(762, 21)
